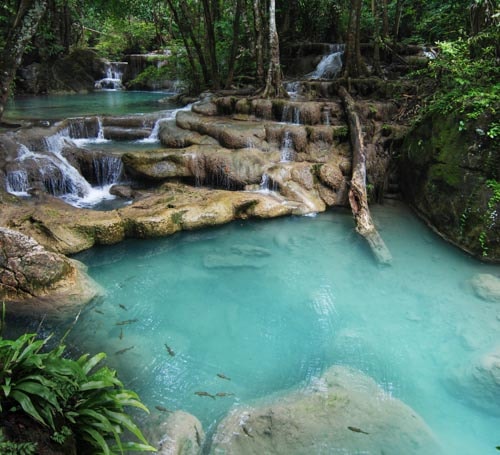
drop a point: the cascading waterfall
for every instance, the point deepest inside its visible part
(113, 78)
(287, 148)
(72, 182)
(330, 65)
(267, 185)
(17, 182)
(154, 136)
(108, 170)
(326, 117)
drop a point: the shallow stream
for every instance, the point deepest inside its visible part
(272, 304)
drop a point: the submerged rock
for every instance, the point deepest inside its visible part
(487, 287)
(478, 381)
(36, 281)
(180, 434)
(344, 412)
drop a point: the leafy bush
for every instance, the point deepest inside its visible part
(67, 396)
(466, 82)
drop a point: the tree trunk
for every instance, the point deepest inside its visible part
(376, 36)
(354, 66)
(259, 43)
(274, 87)
(187, 30)
(385, 20)
(397, 19)
(210, 35)
(235, 44)
(358, 199)
(20, 34)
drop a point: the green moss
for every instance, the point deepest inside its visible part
(177, 217)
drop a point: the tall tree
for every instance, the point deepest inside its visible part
(20, 33)
(235, 42)
(353, 65)
(259, 43)
(208, 13)
(274, 87)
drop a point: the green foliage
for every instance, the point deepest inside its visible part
(466, 81)
(490, 215)
(153, 75)
(16, 448)
(125, 36)
(87, 398)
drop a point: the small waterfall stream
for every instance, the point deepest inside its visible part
(113, 77)
(287, 152)
(330, 65)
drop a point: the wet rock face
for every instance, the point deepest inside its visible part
(29, 273)
(344, 411)
(445, 174)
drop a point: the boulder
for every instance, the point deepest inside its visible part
(487, 287)
(180, 434)
(36, 281)
(343, 412)
(478, 381)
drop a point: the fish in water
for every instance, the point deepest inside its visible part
(198, 437)
(123, 307)
(122, 351)
(163, 409)
(244, 428)
(223, 376)
(205, 394)
(224, 394)
(121, 334)
(169, 350)
(98, 311)
(128, 321)
(357, 430)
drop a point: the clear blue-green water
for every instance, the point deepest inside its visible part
(272, 304)
(105, 102)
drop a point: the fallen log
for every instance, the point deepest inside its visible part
(358, 199)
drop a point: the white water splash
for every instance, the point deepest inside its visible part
(330, 65)
(169, 115)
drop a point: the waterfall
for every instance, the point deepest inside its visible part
(296, 115)
(113, 77)
(293, 118)
(17, 182)
(154, 136)
(267, 185)
(287, 149)
(81, 135)
(330, 65)
(292, 88)
(108, 170)
(327, 117)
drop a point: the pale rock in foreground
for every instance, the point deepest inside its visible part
(343, 412)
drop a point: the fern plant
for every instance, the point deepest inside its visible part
(70, 397)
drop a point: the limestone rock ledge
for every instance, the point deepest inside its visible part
(36, 281)
(344, 412)
(170, 208)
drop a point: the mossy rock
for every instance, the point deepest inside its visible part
(446, 175)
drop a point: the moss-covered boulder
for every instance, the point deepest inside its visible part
(450, 175)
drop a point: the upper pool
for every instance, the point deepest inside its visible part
(105, 102)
